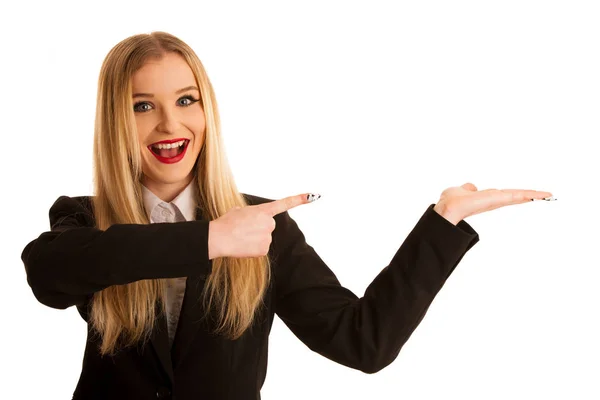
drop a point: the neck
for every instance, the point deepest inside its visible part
(166, 191)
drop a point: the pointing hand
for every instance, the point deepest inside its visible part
(246, 231)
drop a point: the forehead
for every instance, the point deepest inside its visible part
(163, 76)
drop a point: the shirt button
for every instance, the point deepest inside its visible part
(163, 393)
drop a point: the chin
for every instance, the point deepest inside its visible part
(170, 179)
(168, 173)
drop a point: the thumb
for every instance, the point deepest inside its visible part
(469, 186)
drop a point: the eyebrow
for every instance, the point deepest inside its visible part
(177, 92)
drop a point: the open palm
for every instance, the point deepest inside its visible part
(457, 203)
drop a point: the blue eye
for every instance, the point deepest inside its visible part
(139, 104)
(191, 99)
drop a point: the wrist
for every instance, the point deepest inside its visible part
(213, 251)
(442, 209)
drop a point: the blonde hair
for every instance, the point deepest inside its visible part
(125, 314)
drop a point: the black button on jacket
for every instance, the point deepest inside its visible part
(67, 264)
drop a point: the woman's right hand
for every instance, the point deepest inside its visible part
(246, 231)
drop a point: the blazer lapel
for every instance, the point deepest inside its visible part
(192, 313)
(190, 320)
(160, 343)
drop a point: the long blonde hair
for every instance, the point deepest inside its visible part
(125, 314)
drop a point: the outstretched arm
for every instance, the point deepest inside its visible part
(365, 333)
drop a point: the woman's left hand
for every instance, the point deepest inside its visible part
(458, 203)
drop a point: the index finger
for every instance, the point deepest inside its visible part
(278, 206)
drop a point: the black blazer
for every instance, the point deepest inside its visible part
(67, 264)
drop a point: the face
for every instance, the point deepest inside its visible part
(170, 122)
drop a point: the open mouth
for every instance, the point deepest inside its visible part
(169, 152)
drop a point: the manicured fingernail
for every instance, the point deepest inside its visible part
(551, 198)
(313, 197)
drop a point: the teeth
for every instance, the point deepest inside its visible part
(169, 145)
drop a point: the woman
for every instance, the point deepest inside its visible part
(179, 275)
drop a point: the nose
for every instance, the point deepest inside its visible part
(169, 121)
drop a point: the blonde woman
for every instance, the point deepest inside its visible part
(179, 275)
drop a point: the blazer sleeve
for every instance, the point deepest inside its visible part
(67, 264)
(365, 333)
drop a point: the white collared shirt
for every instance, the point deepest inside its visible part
(182, 208)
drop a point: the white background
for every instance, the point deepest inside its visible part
(378, 106)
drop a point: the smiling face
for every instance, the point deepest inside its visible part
(170, 123)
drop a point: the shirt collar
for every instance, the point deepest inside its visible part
(185, 201)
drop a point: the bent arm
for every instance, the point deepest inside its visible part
(365, 333)
(67, 264)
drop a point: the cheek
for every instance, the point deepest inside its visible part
(199, 130)
(145, 156)
(143, 132)
(195, 149)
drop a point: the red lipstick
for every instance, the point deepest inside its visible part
(173, 159)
